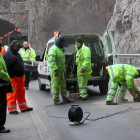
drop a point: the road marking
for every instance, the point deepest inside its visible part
(43, 133)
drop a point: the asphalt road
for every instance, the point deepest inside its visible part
(38, 125)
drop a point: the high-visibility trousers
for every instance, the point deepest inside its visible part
(58, 84)
(18, 95)
(122, 91)
(82, 82)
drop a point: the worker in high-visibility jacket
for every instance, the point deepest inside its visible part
(28, 55)
(83, 60)
(2, 49)
(15, 67)
(56, 63)
(5, 86)
(122, 75)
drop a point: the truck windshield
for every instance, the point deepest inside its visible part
(69, 46)
(92, 42)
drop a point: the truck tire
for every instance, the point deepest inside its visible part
(41, 86)
(103, 88)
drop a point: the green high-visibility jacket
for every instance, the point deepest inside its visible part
(56, 58)
(27, 55)
(83, 60)
(123, 72)
(3, 70)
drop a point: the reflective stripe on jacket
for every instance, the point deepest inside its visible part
(123, 72)
(83, 60)
(3, 70)
(28, 54)
(56, 58)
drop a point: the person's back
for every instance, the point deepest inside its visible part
(14, 63)
(122, 72)
(122, 75)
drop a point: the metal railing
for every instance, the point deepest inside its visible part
(130, 57)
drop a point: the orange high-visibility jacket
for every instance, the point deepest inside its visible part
(2, 51)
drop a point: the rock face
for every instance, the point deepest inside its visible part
(12, 15)
(125, 23)
(40, 18)
(68, 16)
(15, 13)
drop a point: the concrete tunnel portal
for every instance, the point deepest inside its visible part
(5, 27)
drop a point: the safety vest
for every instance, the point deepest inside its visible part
(56, 58)
(83, 60)
(123, 72)
(2, 51)
(28, 54)
(3, 70)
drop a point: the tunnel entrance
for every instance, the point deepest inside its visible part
(6, 27)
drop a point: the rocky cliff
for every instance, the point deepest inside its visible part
(40, 18)
(68, 16)
(125, 24)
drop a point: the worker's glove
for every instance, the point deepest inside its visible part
(56, 73)
(29, 62)
(82, 70)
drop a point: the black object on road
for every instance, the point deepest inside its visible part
(75, 115)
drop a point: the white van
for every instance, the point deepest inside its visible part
(102, 55)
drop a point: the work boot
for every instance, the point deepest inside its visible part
(57, 102)
(84, 98)
(138, 93)
(78, 97)
(137, 99)
(4, 130)
(122, 99)
(14, 112)
(67, 100)
(27, 109)
(110, 103)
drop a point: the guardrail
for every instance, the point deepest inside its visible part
(128, 56)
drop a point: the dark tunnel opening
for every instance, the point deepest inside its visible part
(5, 27)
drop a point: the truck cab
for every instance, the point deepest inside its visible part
(101, 57)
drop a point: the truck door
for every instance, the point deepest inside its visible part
(43, 67)
(109, 47)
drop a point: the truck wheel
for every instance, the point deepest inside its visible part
(103, 88)
(41, 86)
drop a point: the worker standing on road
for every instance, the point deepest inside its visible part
(28, 55)
(122, 75)
(83, 60)
(15, 67)
(56, 62)
(5, 86)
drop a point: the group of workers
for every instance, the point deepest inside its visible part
(121, 75)
(14, 76)
(13, 80)
(56, 62)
